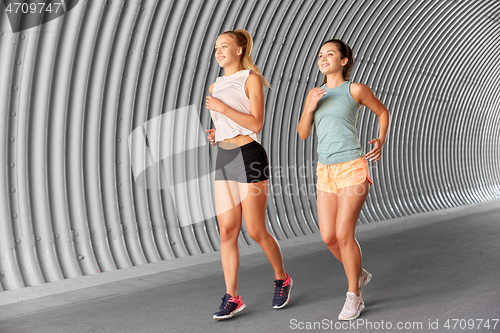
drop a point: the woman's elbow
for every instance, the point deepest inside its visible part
(384, 113)
(256, 128)
(302, 135)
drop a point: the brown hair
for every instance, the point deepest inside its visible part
(244, 40)
(346, 52)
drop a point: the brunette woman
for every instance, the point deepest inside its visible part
(342, 170)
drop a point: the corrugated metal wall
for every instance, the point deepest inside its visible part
(80, 94)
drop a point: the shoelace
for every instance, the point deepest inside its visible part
(225, 302)
(278, 288)
(350, 303)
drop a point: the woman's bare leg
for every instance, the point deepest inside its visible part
(254, 198)
(350, 201)
(228, 207)
(327, 216)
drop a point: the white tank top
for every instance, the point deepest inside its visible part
(231, 90)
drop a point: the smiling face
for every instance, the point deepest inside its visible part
(330, 59)
(226, 50)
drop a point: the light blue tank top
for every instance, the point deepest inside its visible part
(335, 119)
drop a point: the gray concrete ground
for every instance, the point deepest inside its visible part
(432, 272)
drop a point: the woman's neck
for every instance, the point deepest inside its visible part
(231, 69)
(334, 80)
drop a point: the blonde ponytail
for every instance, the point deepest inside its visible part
(245, 41)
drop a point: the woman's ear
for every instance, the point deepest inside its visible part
(240, 51)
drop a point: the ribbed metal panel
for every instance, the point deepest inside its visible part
(116, 86)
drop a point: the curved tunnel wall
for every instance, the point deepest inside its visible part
(113, 87)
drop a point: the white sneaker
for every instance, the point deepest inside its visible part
(352, 307)
(364, 279)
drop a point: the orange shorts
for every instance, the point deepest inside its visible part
(334, 176)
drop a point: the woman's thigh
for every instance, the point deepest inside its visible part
(228, 206)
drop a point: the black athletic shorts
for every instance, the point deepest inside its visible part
(244, 164)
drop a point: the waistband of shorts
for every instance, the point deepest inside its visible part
(342, 163)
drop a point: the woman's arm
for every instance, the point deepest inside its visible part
(363, 95)
(306, 121)
(211, 132)
(253, 121)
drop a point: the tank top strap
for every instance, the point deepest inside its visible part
(241, 79)
(347, 88)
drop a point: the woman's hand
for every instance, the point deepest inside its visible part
(376, 152)
(215, 104)
(211, 135)
(306, 120)
(316, 95)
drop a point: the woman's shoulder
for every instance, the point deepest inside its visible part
(252, 79)
(252, 75)
(359, 92)
(358, 87)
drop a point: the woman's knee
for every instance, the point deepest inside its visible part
(345, 238)
(228, 233)
(258, 235)
(330, 240)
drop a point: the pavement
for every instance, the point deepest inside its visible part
(432, 272)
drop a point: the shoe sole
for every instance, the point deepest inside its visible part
(231, 314)
(361, 308)
(287, 299)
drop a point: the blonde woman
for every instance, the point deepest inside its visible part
(343, 179)
(236, 105)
